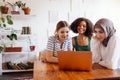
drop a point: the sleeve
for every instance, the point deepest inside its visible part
(50, 43)
(95, 48)
(116, 56)
(70, 46)
(112, 59)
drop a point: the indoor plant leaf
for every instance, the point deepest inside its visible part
(9, 21)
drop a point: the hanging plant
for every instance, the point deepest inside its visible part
(4, 20)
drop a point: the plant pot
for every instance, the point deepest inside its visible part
(15, 8)
(4, 9)
(13, 49)
(27, 10)
(32, 47)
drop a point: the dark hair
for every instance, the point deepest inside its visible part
(61, 24)
(74, 25)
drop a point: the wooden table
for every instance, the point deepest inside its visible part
(47, 71)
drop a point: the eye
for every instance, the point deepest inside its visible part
(95, 31)
(62, 31)
(101, 32)
(67, 31)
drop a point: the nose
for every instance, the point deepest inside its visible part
(81, 26)
(97, 35)
(65, 34)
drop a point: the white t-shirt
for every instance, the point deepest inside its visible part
(107, 56)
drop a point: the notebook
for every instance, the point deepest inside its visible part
(75, 60)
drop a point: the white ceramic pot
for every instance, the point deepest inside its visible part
(15, 8)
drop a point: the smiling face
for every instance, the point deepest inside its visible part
(82, 27)
(63, 33)
(99, 34)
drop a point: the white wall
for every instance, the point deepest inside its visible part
(49, 12)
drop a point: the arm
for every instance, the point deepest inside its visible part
(70, 45)
(50, 58)
(112, 56)
(49, 51)
(95, 48)
(73, 43)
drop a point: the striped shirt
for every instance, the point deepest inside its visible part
(54, 44)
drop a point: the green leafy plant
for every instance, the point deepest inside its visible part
(20, 4)
(4, 20)
(12, 36)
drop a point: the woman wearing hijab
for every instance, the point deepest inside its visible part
(105, 45)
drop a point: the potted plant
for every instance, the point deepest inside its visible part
(21, 5)
(16, 5)
(4, 20)
(26, 10)
(4, 9)
(12, 37)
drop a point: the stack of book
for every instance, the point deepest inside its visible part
(26, 30)
(17, 66)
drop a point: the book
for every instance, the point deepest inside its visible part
(9, 65)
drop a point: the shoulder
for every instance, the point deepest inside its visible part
(89, 37)
(51, 38)
(75, 37)
(69, 39)
(114, 38)
(94, 41)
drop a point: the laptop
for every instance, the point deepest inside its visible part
(75, 60)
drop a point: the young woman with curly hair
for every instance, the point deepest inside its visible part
(82, 27)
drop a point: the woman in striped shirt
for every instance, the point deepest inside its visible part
(59, 42)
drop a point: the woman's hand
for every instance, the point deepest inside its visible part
(50, 58)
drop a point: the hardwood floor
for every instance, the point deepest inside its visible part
(16, 76)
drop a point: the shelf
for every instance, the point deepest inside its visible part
(16, 52)
(16, 70)
(11, 60)
(19, 16)
(23, 16)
